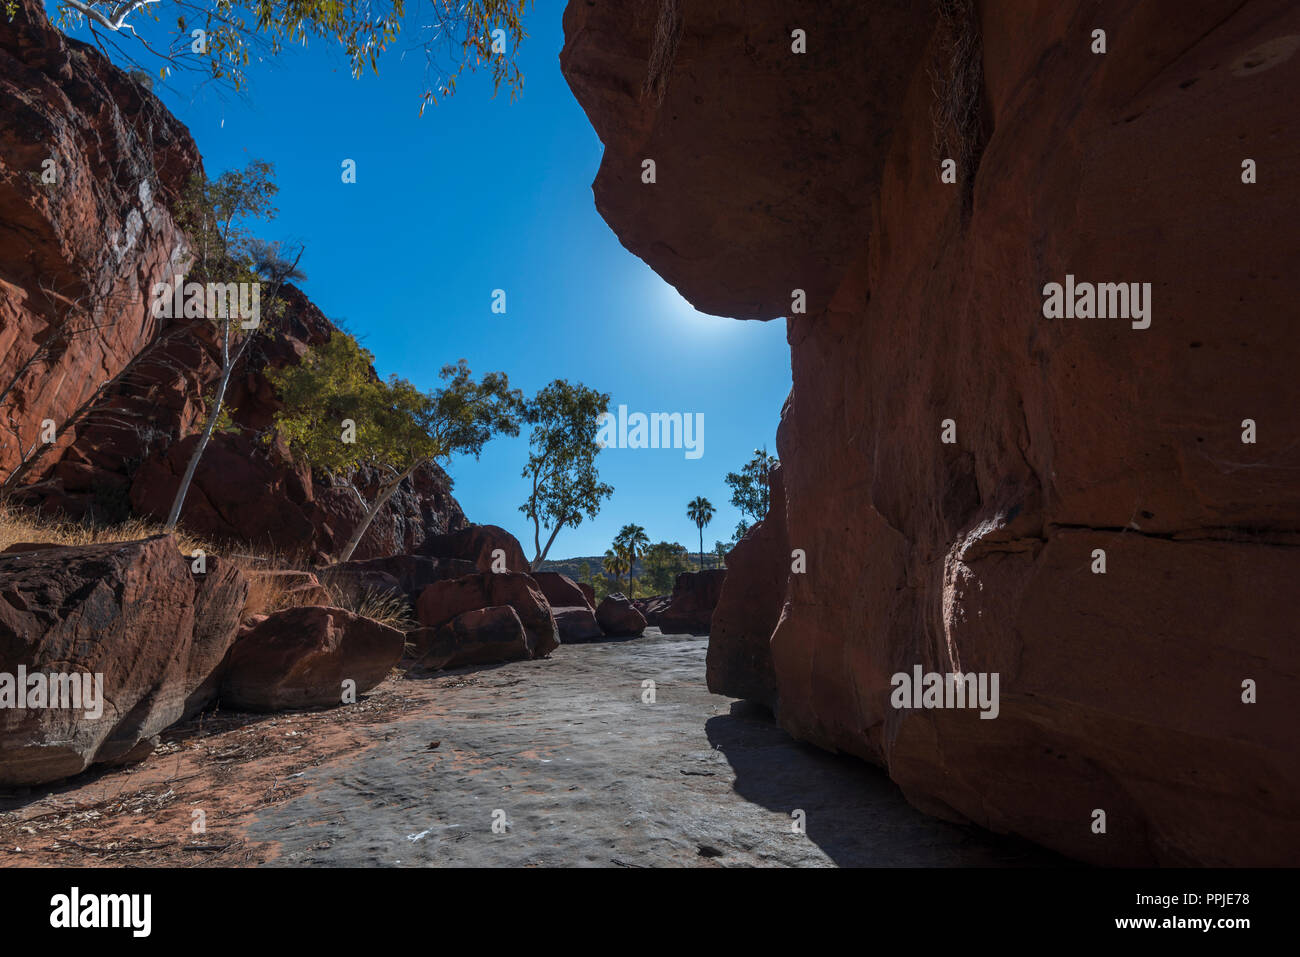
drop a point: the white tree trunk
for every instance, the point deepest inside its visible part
(380, 501)
(227, 366)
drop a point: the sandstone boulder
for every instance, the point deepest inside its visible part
(561, 590)
(357, 583)
(484, 636)
(576, 623)
(695, 594)
(301, 657)
(618, 618)
(477, 543)
(413, 573)
(442, 601)
(219, 598)
(28, 547)
(129, 616)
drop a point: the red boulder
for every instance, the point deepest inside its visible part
(695, 594)
(481, 637)
(301, 658)
(442, 601)
(618, 618)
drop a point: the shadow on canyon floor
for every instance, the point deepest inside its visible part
(853, 812)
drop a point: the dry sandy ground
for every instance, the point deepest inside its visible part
(563, 755)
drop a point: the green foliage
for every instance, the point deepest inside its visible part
(749, 488)
(214, 214)
(225, 423)
(700, 511)
(603, 587)
(615, 566)
(454, 35)
(272, 262)
(630, 542)
(217, 215)
(664, 561)
(396, 426)
(561, 465)
(339, 416)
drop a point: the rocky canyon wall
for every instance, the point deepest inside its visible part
(79, 255)
(955, 462)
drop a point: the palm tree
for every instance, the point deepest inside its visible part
(700, 511)
(615, 562)
(633, 539)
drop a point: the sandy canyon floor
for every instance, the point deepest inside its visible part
(563, 756)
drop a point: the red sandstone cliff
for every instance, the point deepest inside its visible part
(820, 171)
(77, 341)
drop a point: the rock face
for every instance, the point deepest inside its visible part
(360, 582)
(955, 462)
(574, 614)
(442, 601)
(618, 618)
(561, 590)
(301, 657)
(132, 614)
(476, 543)
(695, 594)
(412, 573)
(77, 256)
(749, 607)
(576, 623)
(79, 346)
(484, 636)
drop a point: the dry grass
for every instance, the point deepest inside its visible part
(18, 526)
(266, 594)
(383, 607)
(272, 593)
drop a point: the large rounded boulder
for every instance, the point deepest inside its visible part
(104, 646)
(307, 657)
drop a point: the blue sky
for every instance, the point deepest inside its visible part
(481, 194)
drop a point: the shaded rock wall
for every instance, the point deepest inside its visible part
(739, 662)
(776, 171)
